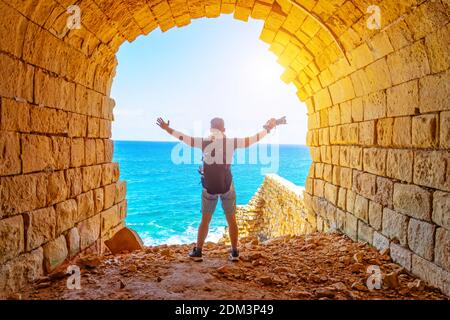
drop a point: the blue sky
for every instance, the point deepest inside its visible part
(211, 68)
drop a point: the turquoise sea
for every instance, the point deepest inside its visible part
(164, 197)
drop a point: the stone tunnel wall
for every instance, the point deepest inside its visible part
(276, 209)
(378, 109)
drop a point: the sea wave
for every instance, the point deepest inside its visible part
(186, 237)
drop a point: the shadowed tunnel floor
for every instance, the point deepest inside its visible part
(319, 266)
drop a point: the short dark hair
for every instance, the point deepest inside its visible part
(218, 123)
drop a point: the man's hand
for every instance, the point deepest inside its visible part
(272, 123)
(164, 125)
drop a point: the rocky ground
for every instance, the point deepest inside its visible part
(319, 266)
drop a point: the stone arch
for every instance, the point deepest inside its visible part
(378, 110)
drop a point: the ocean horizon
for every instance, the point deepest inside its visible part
(164, 195)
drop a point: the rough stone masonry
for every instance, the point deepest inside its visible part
(377, 102)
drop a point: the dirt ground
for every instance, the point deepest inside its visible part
(318, 266)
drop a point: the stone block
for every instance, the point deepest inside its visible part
(340, 220)
(365, 233)
(124, 240)
(380, 45)
(379, 241)
(361, 209)
(121, 191)
(49, 121)
(12, 33)
(402, 135)
(61, 152)
(403, 100)
(16, 79)
(345, 177)
(367, 133)
(378, 75)
(351, 196)
(425, 133)
(375, 106)
(57, 190)
(413, 201)
(408, 63)
(318, 187)
(442, 248)
(400, 35)
(331, 192)
(351, 226)
(426, 270)
(77, 158)
(395, 226)
(55, 252)
(36, 153)
(441, 209)
(11, 238)
(73, 242)
(400, 164)
(385, 132)
(374, 161)
(77, 125)
(421, 238)
(357, 110)
(361, 56)
(437, 48)
(385, 190)
(93, 127)
(21, 271)
(74, 181)
(360, 82)
(432, 169)
(375, 215)
(428, 17)
(444, 134)
(90, 151)
(85, 204)
(92, 177)
(401, 255)
(105, 129)
(66, 215)
(100, 150)
(40, 227)
(22, 193)
(89, 231)
(99, 199)
(356, 158)
(345, 112)
(434, 92)
(342, 198)
(322, 99)
(14, 116)
(110, 173)
(342, 90)
(10, 161)
(109, 219)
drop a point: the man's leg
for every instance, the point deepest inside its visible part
(203, 229)
(233, 230)
(209, 203)
(229, 206)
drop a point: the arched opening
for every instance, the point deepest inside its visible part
(377, 98)
(190, 75)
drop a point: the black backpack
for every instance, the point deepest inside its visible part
(216, 178)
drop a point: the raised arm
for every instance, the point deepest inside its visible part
(249, 141)
(190, 141)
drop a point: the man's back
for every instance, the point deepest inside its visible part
(217, 159)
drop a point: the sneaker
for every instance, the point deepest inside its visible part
(234, 255)
(196, 254)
